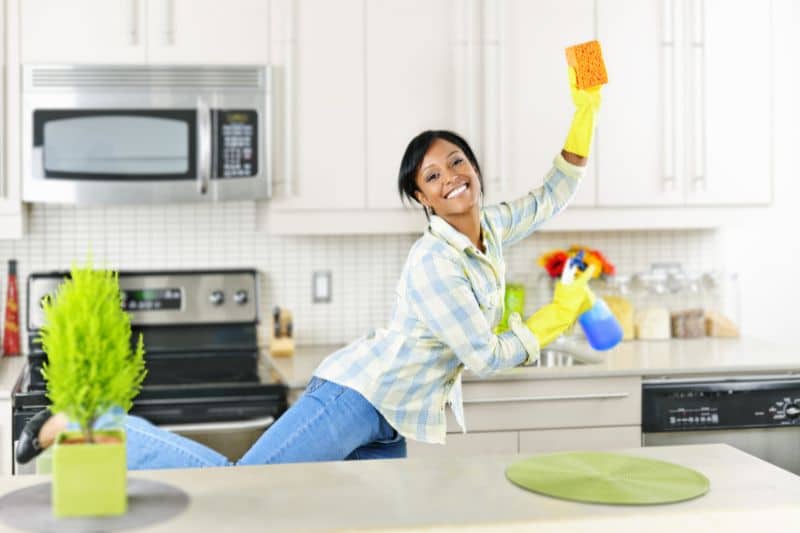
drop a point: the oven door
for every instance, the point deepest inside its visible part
(143, 135)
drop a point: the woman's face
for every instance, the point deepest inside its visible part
(446, 180)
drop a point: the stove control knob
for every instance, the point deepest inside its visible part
(216, 297)
(792, 410)
(240, 297)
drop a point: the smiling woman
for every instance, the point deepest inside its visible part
(395, 382)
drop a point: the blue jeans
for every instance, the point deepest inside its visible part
(328, 423)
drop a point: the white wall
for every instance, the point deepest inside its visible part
(765, 246)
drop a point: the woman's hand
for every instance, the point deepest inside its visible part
(569, 302)
(587, 105)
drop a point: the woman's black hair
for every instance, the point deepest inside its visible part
(415, 152)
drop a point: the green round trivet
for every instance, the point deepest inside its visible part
(602, 477)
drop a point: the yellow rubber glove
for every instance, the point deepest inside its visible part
(587, 104)
(569, 302)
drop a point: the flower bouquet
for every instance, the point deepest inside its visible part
(554, 261)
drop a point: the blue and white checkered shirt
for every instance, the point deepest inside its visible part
(449, 298)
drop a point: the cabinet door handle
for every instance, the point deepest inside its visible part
(288, 108)
(698, 86)
(598, 396)
(472, 73)
(494, 80)
(135, 22)
(668, 107)
(170, 31)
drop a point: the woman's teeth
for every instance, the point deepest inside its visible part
(456, 192)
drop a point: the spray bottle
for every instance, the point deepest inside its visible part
(599, 324)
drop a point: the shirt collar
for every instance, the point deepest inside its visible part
(440, 228)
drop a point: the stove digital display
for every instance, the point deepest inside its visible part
(151, 299)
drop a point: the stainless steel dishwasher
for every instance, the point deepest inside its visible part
(758, 415)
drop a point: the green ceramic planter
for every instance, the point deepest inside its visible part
(89, 479)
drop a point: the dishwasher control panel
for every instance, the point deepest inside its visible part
(700, 405)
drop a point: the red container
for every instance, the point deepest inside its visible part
(11, 324)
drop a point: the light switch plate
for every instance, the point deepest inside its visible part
(321, 286)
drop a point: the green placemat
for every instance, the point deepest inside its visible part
(602, 477)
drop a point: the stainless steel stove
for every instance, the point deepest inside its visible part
(205, 378)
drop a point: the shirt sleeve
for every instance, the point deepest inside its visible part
(441, 296)
(515, 220)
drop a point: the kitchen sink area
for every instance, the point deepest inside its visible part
(566, 352)
(554, 358)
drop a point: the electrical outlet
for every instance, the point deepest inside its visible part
(321, 286)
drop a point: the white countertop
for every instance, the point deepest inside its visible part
(649, 359)
(747, 494)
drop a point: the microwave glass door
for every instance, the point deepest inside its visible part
(115, 145)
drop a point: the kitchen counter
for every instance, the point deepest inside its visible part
(649, 359)
(746, 494)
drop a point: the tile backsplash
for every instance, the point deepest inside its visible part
(365, 268)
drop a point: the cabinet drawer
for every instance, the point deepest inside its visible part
(601, 438)
(460, 444)
(552, 403)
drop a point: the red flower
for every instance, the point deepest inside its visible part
(554, 263)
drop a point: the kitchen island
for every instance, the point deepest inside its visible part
(746, 493)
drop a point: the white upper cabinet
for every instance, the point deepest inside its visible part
(527, 104)
(730, 140)
(208, 31)
(415, 51)
(637, 141)
(12, 214)
(145, 31)
(688, 105)
(320, 104)
(82, 31)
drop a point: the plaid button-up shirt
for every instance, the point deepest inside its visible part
(449, 298)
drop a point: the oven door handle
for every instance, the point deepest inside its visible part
(239, 425)
(204, 154)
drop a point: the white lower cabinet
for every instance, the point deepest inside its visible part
(467, 444)
(544, 415)
(592, 438)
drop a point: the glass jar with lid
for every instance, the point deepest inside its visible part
(616, 291)
(721, 303)
(687, 318)
(651, 319)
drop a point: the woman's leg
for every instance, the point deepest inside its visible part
(150, 447)
(394, 448)
(327, 423)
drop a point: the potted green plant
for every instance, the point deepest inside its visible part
(91, 367)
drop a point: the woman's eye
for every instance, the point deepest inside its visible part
(432, 177)
(457, 161)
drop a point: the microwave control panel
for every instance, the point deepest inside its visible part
(237, 141)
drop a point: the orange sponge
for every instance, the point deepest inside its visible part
(587, 60)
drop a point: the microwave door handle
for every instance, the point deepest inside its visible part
(204, 146)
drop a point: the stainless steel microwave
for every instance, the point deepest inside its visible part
(146, 134)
